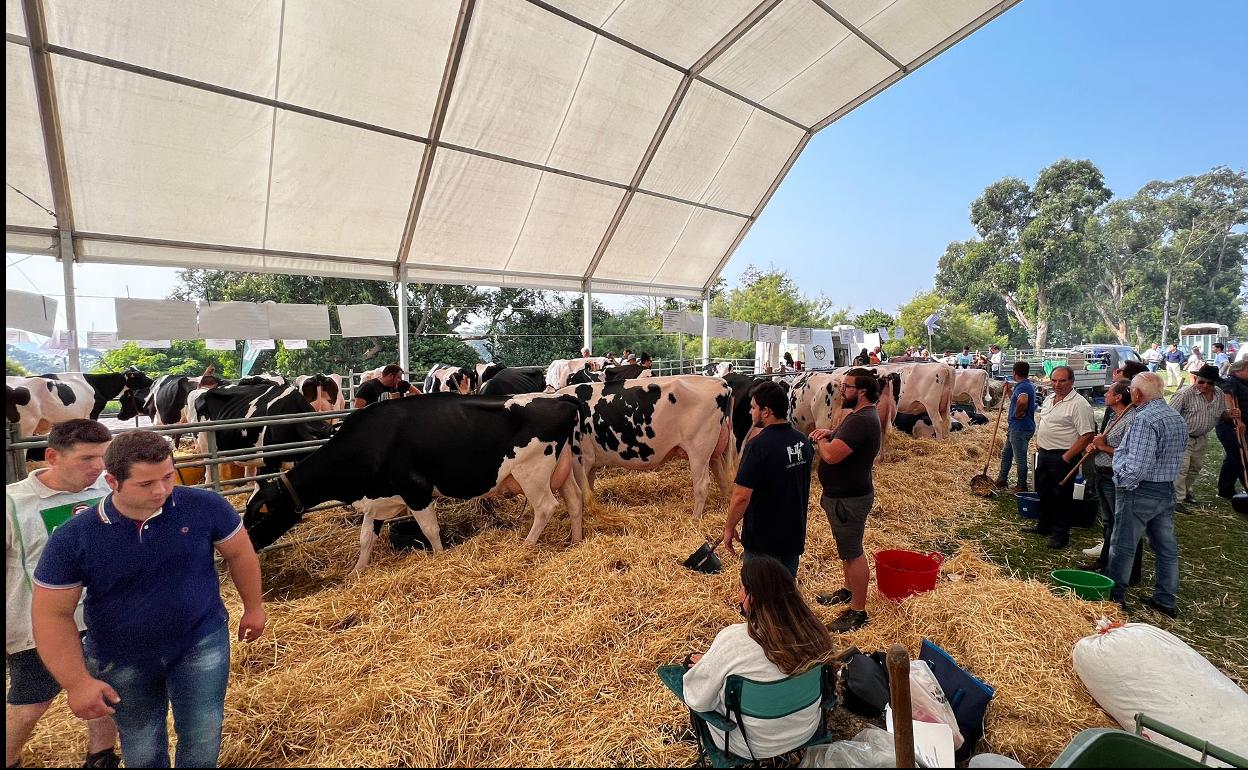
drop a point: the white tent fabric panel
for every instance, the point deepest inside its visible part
(614, 143)
(151, 158)
(126, 253)
(474, 211)
(295, 321)
(365, 321)
(909, 28)
(779, 48)
(156, 319)
(233, 320)
(518, 77)
(646, 235)
(838, 77)
(338, 189)
(380, 62)
(567, 217)
(29, 243)
(593, 140)
(231, 43)
(702, 242)
(25, 165)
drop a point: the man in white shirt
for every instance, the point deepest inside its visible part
(997, 360)
(1064, 428)
(1152, 357)
(72, 482)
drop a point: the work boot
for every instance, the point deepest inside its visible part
(1036, 531)
(839, 596)
(1057, 542)
(1001, 484)
(106, 758)
(1190, 499)
(849, 620)
(1157, 606)
(1019, 488)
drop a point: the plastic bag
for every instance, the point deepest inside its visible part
(927, 700)
(870, 748)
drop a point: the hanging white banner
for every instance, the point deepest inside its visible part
(767, 333)
(233, 320)
(229, 344)
(673, 321)
(154, 344)
(309, 322)
(883, 334)
(34, 313)
(103, 341)
(154, 319)
(365, 321)
(295, 344)
(741, 331)
(261, 344)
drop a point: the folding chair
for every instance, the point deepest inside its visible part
(759, 700)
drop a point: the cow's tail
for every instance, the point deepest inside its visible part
(731, 455)
(582, 436)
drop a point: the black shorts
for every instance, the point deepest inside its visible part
(29, 680)
(848, 518)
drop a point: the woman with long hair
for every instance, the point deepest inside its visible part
(780, 637)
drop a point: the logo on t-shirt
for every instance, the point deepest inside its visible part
(57, 515)
(796, 455)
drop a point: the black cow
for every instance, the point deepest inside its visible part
(621, 373)
(256, 400)
(513, 380)
(438, 445)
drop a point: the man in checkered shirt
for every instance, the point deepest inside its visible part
(1146, 465)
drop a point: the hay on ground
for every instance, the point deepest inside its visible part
(496, 653)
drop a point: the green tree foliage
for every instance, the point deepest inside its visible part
(958, 326)
(188, 357)
(14, 369)
(873, 319)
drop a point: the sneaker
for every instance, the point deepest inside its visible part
(1190, 499)
(105, 758)
(1156, 606)
(1095, 551)
(839, 596)
(1181, 507)
(849, 620)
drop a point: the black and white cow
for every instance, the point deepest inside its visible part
(514, 380)
(261, 399)
(441, 445)
(452, 379)
(323, 391)
(40, 402)
(622, 372)
(643, 423)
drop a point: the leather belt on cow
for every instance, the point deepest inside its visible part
(291, 489)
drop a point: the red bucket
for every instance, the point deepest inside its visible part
(904, 573)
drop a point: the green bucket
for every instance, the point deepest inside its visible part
(1092, 586)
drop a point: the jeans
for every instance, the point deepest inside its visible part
(195, 686)
(1152, 366)
(1232, 473)
(1149, 508)
(1015, 452)
(1105, 494)
(789, 562)
(1055, 498)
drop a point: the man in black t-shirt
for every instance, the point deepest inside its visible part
(772, 488)
(388, 385)
(848, 454)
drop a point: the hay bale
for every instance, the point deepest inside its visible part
(498, 653)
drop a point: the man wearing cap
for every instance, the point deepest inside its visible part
(1230, 429)
(1201, 406)
(388, 385)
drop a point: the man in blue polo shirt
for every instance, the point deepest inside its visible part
(157, 628)
(1022, 428)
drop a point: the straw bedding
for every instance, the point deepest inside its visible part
(494, 653)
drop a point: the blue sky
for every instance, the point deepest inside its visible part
(1145, 89)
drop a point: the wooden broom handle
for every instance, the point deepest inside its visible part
(898, 660)
(1108, 428)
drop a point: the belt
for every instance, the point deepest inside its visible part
(1108, 472)
(1053, 451)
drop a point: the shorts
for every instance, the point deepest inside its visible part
(848, 519)
(29, 680)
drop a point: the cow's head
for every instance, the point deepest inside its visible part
(583, 376)
(136, 380)
(133, 403)
(462, 381)
(271, 512)
(13, 398)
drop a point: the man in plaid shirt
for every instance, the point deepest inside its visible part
(1146, 465)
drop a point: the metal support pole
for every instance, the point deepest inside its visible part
(403, 316)
(214, 469)
(680, 352)
(587, 318)
(706, 328)
(66, 249)
(15, 464)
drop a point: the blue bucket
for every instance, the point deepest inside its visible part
(1028, 505)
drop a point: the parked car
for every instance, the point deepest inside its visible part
(1107, 358)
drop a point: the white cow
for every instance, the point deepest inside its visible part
(970, 384)
(561, 369)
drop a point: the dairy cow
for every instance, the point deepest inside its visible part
(38, 403)
(452, 379)
(514, 380)
(256, 399)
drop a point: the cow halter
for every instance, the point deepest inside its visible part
(291, 489)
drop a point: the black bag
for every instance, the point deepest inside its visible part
(864, 684)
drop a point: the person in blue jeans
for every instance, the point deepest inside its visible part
(1146, 464)
(157, 628)
(1022, 427)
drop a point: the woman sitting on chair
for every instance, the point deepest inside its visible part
(780, 637)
